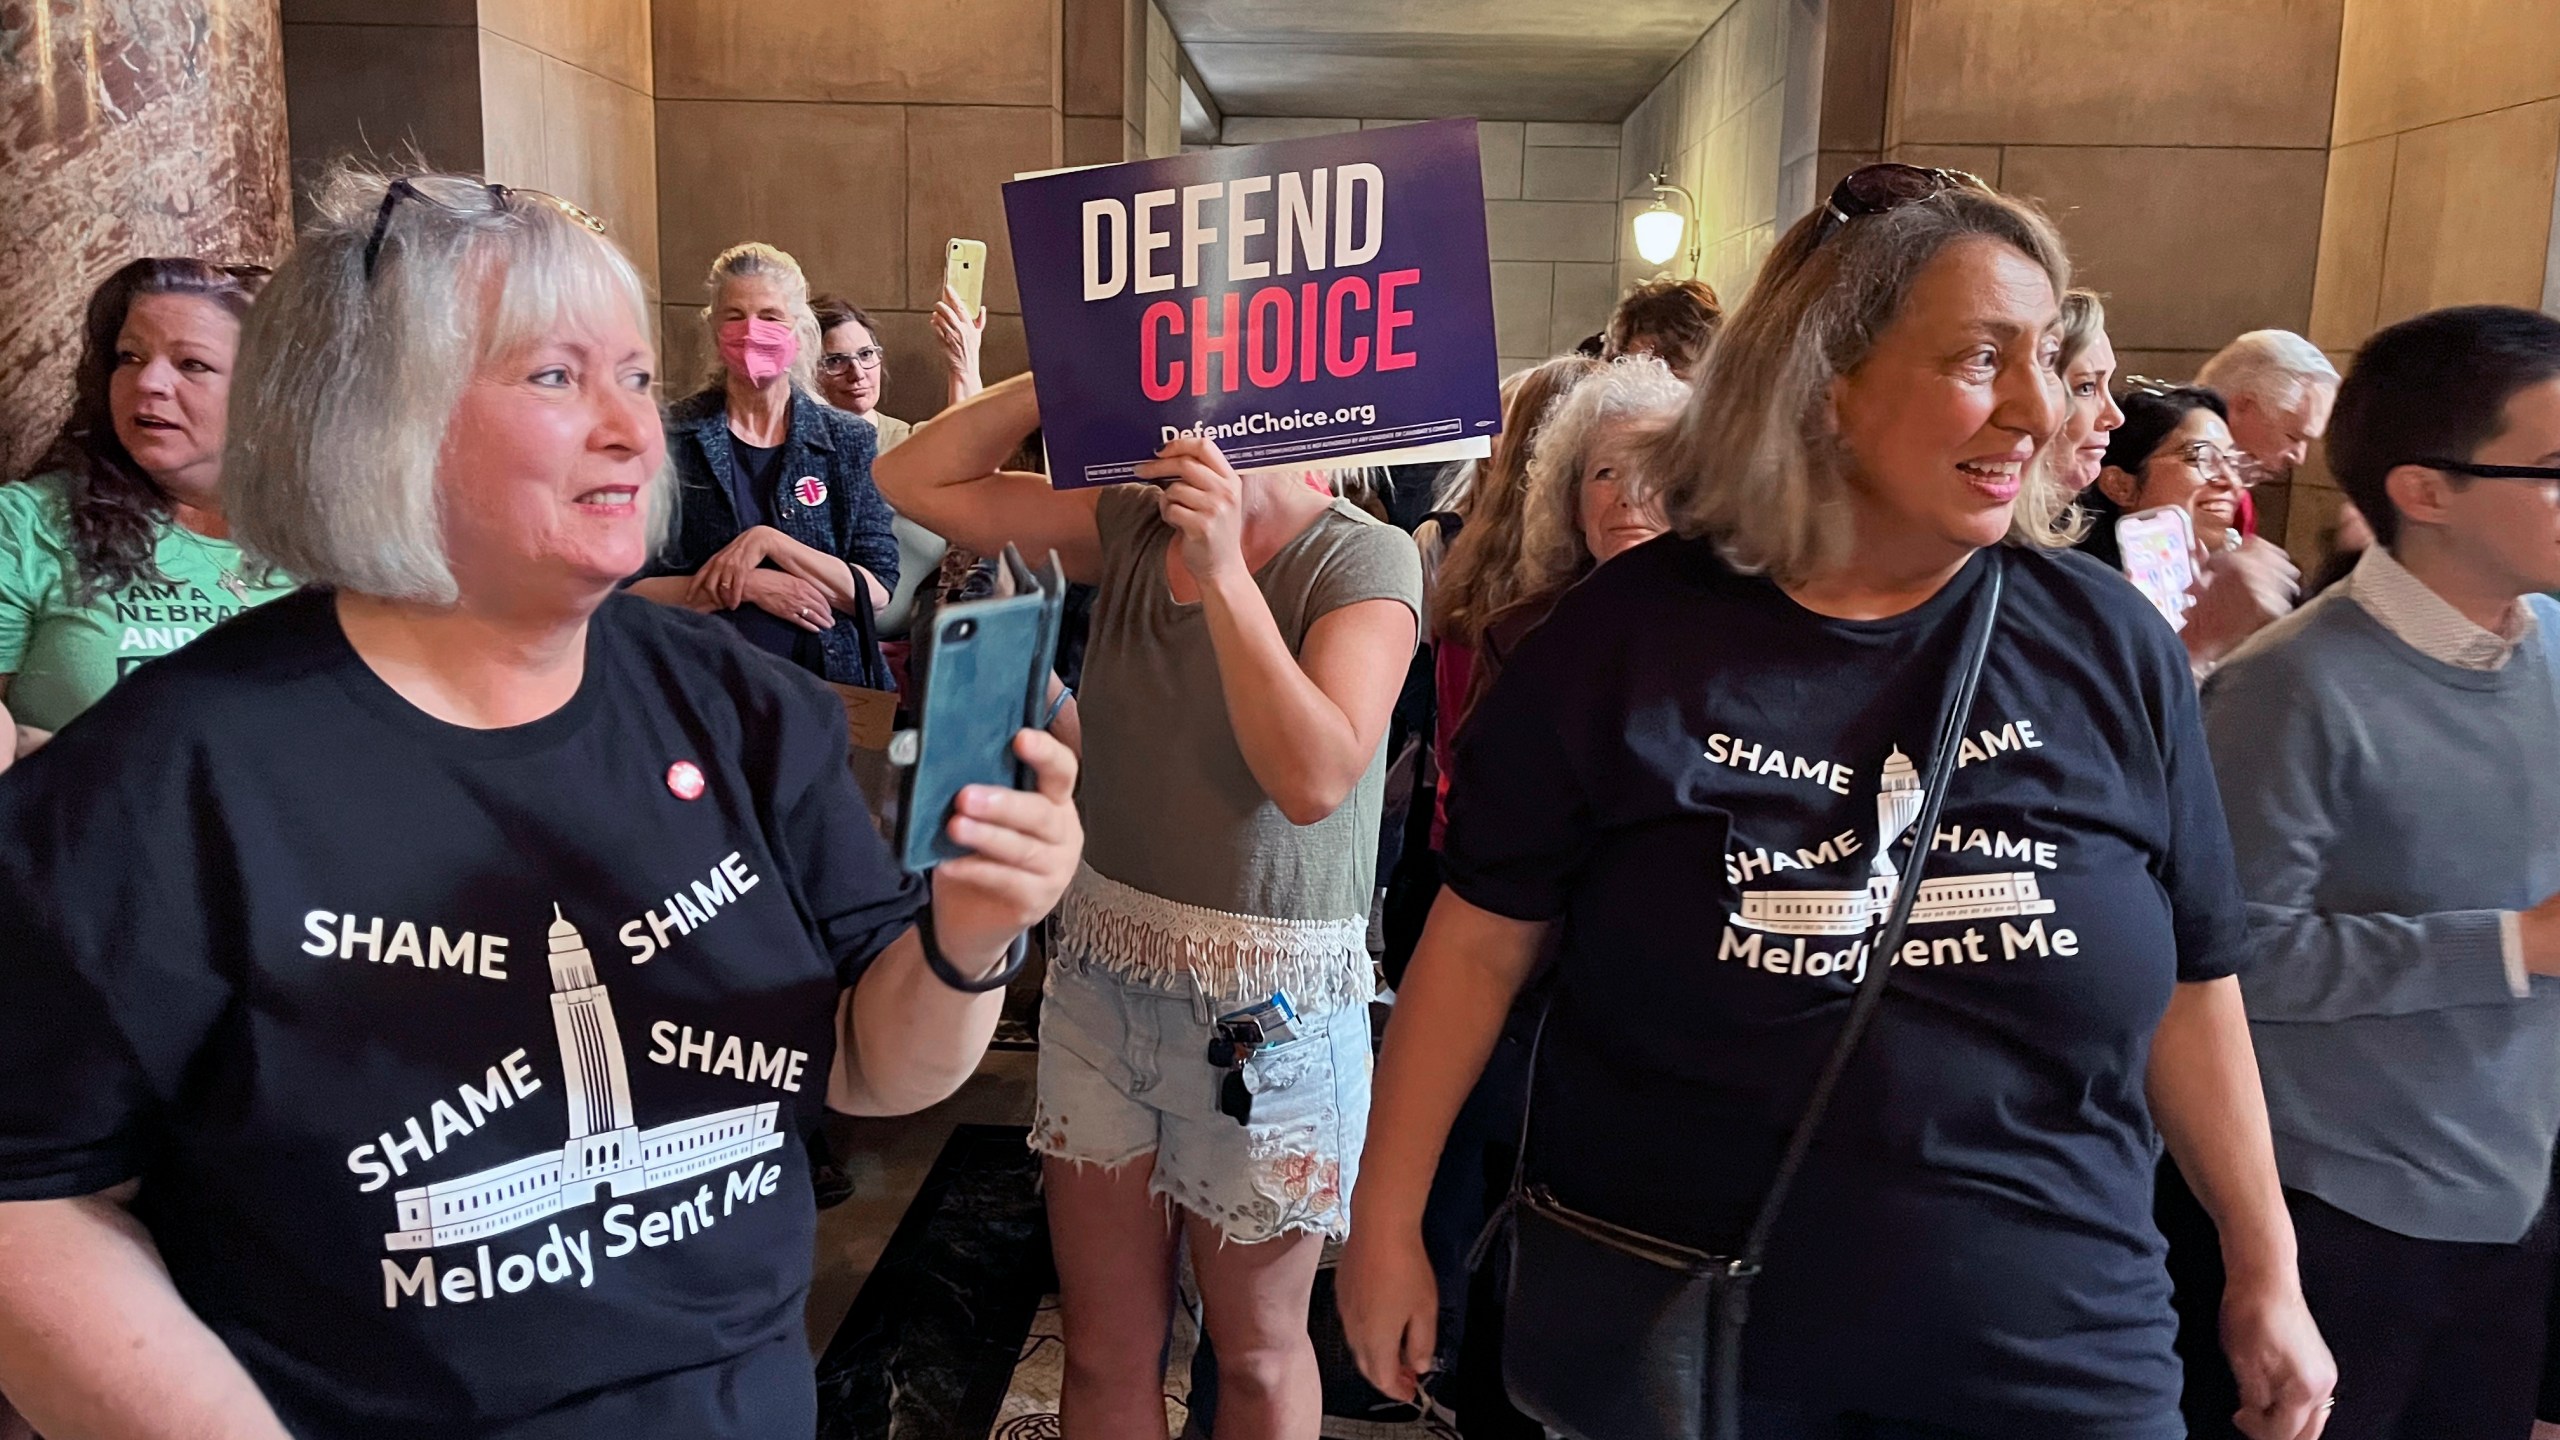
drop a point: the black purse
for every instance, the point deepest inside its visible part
(1615, 1334)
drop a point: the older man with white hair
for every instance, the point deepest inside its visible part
(2280, 388)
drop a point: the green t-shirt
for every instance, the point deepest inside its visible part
(63, 654)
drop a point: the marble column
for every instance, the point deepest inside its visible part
(127, 127)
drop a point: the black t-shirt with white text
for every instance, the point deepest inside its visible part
(1709, 790)
(462, 1070)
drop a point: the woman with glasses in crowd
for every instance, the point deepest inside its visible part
(1691, 793)
(343, 992)
(853, 366)
(2174, 449)
(778, 528)
(116, 550)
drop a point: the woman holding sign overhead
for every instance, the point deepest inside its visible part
(1204, 1062)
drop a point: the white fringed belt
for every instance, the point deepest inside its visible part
(1323, 965)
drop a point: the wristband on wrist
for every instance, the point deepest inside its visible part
(1016, 956)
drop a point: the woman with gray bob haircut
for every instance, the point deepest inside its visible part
(414, 986)
(1695, 793)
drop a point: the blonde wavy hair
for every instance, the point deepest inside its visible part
(1636, 392)
(1756, 463)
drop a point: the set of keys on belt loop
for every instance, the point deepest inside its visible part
(1237, 1038)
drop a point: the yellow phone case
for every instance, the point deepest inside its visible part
(964, 270)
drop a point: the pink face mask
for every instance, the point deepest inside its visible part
(758, 349)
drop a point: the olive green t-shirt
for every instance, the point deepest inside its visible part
(64, 653)
(1170, 807)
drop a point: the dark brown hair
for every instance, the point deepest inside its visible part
(116, 510)
(1675, 319)
(2433, 387)
(833, 310)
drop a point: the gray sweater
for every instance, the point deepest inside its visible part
(2385, 809)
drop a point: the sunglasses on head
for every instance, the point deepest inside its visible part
(501, 198)
(1885, 187)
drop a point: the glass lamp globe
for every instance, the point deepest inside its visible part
(1658, 233)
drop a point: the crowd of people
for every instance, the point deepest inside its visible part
(482, 718)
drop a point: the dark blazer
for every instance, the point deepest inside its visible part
(850, 522)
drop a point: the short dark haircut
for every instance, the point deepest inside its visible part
(1677, 320)
(2435, 386)
(2150, 413)
(833, 310)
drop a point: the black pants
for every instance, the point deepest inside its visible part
(2434, 1338)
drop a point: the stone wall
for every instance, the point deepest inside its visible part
(149, 127)
(860, 139)
(548, 94)
(2445, 147)
(565, 107)
(1735, 125)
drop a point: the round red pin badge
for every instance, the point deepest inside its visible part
(809, 490)
(684, 780)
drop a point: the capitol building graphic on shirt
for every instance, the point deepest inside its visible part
(1855, 912)
(604, 1151)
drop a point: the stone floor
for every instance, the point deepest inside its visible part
(888, 1160)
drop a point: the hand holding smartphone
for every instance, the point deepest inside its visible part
(964, 274)
(2159, 550)
(983, 678)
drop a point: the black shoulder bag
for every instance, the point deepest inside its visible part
(1614, 1334)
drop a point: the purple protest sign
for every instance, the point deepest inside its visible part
(1306, 302)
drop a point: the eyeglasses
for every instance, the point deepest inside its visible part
(499, 198)
(836, 362)
(2546, 476)
(2209, 460)
(1885, 187)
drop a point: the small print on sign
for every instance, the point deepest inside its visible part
(809, 490)
(684, 780)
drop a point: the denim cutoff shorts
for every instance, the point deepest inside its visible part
(1124, 1070)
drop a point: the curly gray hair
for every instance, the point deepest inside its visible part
(1635, 393)
(358, 350)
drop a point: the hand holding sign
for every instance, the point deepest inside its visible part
(1203, 500)
(1315, 301)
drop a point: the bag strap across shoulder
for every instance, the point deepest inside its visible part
(1871, 987)
(1870, 993)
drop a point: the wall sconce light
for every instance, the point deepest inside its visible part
(1659, 229)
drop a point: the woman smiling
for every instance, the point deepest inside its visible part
(1968, 1250)
(252, 910)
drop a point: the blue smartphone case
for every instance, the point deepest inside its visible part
(985, 679)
